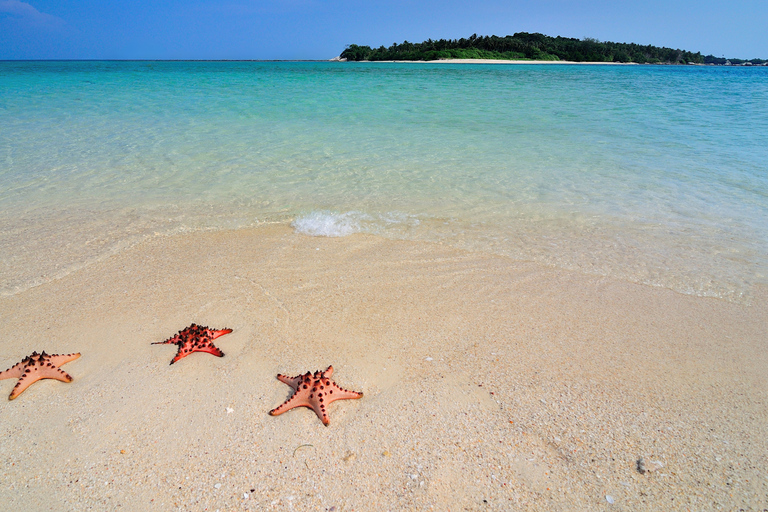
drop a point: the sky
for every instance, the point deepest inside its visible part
(321, 29)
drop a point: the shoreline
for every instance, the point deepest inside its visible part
(502, 61)
(488, 383)
(71, 252)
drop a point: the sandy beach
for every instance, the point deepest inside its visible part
(489, 384)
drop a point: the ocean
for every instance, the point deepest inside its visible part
(653, 174)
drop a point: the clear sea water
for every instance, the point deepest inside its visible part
(654, 174)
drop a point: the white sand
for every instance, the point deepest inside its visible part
(489, 384)
(504, 61)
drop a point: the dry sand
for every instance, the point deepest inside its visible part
(489, 384)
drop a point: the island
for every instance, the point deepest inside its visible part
(535, 47)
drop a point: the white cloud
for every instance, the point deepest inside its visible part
(27, 13)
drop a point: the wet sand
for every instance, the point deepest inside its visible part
(489, 384)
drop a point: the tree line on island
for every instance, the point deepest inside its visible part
(526, 46)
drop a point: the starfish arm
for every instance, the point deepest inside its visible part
(55, 373)
(291, 381)
(211, 349)
(328, 373)
(320, 411)
(220, 332)
(337, 393)
(295, 401)
(24, 382)
(175, 339)
(28, 379)
(60, 359)
(13, 372)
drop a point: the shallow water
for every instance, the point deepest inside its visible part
(654, 174)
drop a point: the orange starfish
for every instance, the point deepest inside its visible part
(196, 338)
(35, 367)
(313, 391)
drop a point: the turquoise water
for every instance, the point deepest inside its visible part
(655, 174)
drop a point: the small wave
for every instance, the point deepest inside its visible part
(332, 224)
(328, 224)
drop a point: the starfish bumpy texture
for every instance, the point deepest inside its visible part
(196, 338)
(313, 391)
(35, 367)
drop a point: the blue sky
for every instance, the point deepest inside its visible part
(320, 29)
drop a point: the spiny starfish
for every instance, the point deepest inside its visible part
(35, 367)
(196, 338)
(313, 391)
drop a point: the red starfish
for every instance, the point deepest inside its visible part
(313, 391)
(196, 338)
(35, 367)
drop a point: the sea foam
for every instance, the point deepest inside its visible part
(334, 224)
(325, 223)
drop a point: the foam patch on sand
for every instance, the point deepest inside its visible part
(333, 224)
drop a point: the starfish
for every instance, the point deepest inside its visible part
(196, 338)
(35, 367)
(313, 391)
